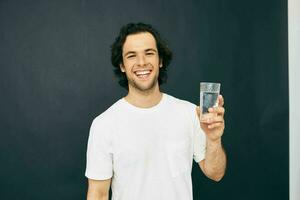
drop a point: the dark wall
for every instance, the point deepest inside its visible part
(56, 76)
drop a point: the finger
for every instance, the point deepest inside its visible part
(215, 125)
(218, 119)
(219, 110)
(220, 100)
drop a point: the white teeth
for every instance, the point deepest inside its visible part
(142, 72)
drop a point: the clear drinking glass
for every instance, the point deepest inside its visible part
(209, 93)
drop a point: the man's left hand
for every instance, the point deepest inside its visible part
(213, 125)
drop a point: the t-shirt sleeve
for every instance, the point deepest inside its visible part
(199, 139)
(99, 151)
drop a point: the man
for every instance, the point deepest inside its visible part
(143, 146)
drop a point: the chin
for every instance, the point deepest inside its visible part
(144, 87)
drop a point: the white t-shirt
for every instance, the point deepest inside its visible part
(148, 152)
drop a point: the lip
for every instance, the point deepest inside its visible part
(142, 70)
(143, 78)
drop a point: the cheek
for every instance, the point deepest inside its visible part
(154, 61)
(129, 63)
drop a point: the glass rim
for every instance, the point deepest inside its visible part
(215, 83)
(210, 86)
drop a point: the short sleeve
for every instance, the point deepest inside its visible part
(99, 151)
(199, 139)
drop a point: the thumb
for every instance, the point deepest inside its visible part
(198, 110)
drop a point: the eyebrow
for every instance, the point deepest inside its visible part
(133, 52)
(150, 50)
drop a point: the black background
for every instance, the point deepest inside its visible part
(56, 76)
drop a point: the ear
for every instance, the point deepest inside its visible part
(122, 67)
(160, 64)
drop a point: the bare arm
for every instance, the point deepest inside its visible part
(214, 164)
(98, 189)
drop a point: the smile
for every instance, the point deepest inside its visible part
(143, 74)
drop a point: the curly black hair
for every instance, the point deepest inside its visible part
(165, 54)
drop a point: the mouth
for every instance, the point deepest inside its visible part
(143, 74)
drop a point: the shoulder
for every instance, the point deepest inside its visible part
(106, 118)
(183, 108)
(181, 103)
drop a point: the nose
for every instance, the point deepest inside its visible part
(141, 60)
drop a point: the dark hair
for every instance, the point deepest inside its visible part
(164, 53)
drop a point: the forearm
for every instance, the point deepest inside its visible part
(215, 160)
(94, 195)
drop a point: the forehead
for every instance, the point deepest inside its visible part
(139, 42)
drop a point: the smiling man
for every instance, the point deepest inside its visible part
(143, 146)
(141, 65)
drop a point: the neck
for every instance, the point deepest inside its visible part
(144, 99)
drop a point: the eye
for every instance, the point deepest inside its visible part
(149, 53)
(131, 56)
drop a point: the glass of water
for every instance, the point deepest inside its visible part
(209, 93)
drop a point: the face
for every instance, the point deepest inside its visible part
(141, 61)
